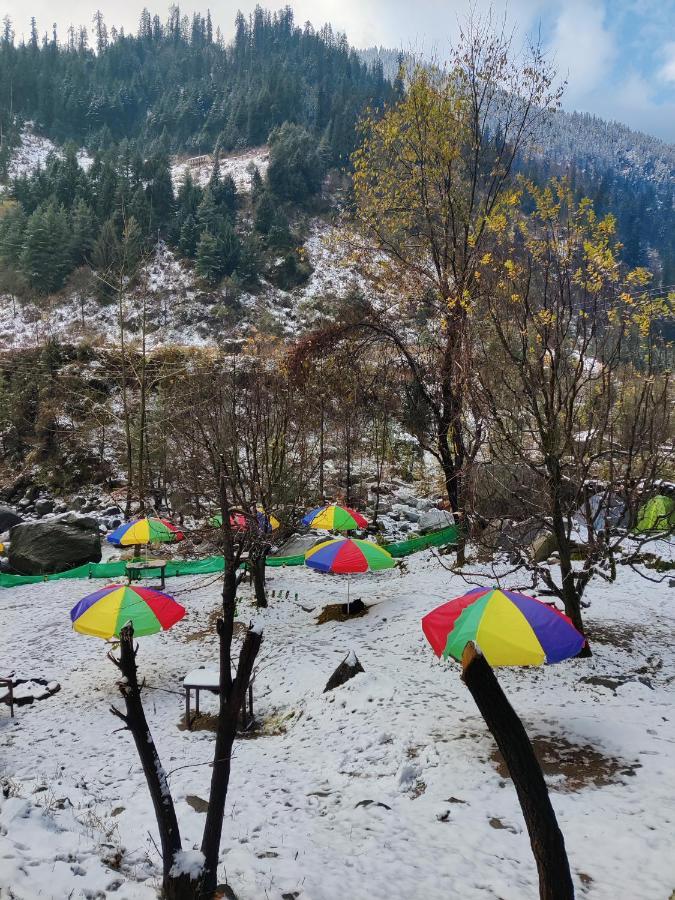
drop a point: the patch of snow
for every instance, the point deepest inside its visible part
(33, 152)
(238, 165)
(188, 862)
(350, 659)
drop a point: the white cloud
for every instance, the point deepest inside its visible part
(584, 47)
(667, 70)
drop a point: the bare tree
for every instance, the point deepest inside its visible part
(177, 884)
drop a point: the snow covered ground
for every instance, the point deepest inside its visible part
(238, 165)
(33, 152)
(385, 788)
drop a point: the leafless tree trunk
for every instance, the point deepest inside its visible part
(548, 844)
(135, 721)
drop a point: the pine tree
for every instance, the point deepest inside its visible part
(189, 236)
(82, 232)
(208, 216)
(208, 263)
(265, 212)
(45, 258)
(229, 247)
(159, 193)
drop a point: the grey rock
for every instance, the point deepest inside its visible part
(423, 504)
(76, 518)
(111, 511)
(8, 518)
(297, 544)
(43, 506)
(435, 518)
(412, 515)
(43, 548)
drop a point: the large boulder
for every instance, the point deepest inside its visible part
(43, 548)
(297, 544)
(434, 519)
(8, 518)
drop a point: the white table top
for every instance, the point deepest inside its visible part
(202, 678)
(147, 564)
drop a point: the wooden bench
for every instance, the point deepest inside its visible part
(209, 680)
(138, 568)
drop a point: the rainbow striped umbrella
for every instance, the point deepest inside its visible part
(145, 531)
(241, 522)
(334, 518)
(105, 612)
(345, 556)
(510, 629)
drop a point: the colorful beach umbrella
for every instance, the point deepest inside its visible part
(105, 612)
(145, 531)
(510, 629)
(346, 556)
(334, 518)
(241, 522)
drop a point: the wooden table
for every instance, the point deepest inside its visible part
(209, 680)
(8, 698)
(135, 570)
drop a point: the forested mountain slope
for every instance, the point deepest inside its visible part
(125, 111)
(625, 172)
(178, 84)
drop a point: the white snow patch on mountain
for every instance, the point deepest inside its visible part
(239, 165)
(33, 152)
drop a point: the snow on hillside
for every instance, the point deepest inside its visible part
(180, 309)
(239, 166)
(33, 152)
(387, 787)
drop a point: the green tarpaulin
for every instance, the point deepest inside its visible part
(216, 563)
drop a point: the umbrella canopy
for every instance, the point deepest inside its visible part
(241, 522)
(510, 629)
(334, 518)
(346, 556)
(145, 531)
(657, 514)
(105, 612)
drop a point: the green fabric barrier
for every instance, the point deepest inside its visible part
(285, 560)
(414, 545)
(217, 563)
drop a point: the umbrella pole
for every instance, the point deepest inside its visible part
(349, 578)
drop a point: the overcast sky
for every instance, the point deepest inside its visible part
(618, 55)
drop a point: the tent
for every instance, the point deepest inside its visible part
(607, 511)
(657, 514)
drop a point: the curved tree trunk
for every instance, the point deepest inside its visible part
(548, 844)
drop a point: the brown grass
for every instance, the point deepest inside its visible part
(334, 613)
(571, 767)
